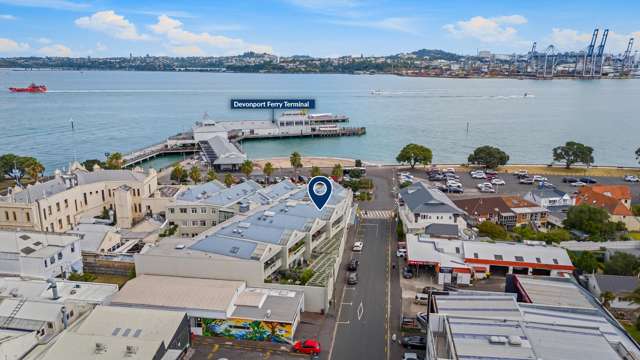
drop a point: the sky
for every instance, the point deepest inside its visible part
(323, 28)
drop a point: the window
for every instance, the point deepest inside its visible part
(44, 213)
(109, 192)
(475, 255)
(213, 223)
(60, 256)
(68, 220)
(457, 250)
(138, 192)
(66, 203)
(497, 257)
(50, 325)
(15, 217)
(60, 223)
(76, 204)
(194, 210)
(555, 261)
(73, 247)
(49, 209)
(58, 206)
(194, 223)
(519, 258)
(6, 215)
(102, 192)
(85, 199)
(203, 210)
(172, 210)
(52, 260)
(183, 210)
(28, 216)
(185, 223)
(203, 223)
(45, 263)
(538, 260)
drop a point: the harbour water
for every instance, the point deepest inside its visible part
(124, 111)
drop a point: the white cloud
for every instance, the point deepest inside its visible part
(101, 47)
(110, 23)
(401, 24)
(180, 39)
(8, 46)
(187, 50)
(49, 4)
(489, 30)
(55, 50)
(7, 17)
(573, 40)
(44, 40)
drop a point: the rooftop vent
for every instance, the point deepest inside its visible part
(498, 340)
(130, 350)
(24, 236)
(100, 348)
(515, 340)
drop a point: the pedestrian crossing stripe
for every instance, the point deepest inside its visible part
(377, 214)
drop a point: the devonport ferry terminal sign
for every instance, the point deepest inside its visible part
(273, 104)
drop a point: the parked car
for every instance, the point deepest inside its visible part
(410, 356)
(484, 184)
(578, 184)
(588, 180)
(401, 252)
(450, 176)
(539, 178)
(491, 172)
(569, 180)
(478, 175)
(455, 189)
(428, 289)
(487, 189)
(353, 265)
(407, 273)
(498, 181)
(352, 279)
(357, 246)
(450, 170)
(453, 183)
(308, 346)
(521, 173)
(414, 342)
(631, 178)
(526, 181)
(436, 177)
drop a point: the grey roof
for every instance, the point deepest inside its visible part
(226, 152)
(92, 235)
(88, 177)
(283, 308)
(273, 192)
(441, 230)
(211, 194)
(420, 199)
(616, 283)
(192, 193)
(220, 245)
(36, 192)
(547, 193)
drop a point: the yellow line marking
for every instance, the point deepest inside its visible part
(215, 348)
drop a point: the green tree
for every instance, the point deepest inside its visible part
(33, 168)
(493, 230)
(638, 154)
(296, 161)
(554, 236)
(246, 168)
(315, 171)
(228, 179)
(91, 163)
(268, 170)
(526, 232)
(336, 171)
(413, 154)
(607, 297)
(114, 161)
(211, 175)
(591, 220)
(178, 173)
(573, 152)
(585, 262)
(622, 264)
(26, 164)
(195, 174)
(307, 274)
(489, 156)
(358, 163)
(8, 162)
(636, 209)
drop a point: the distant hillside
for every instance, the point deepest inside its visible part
(436, 54)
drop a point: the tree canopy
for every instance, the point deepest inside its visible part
(315, 171)
(489, 156)
(178, 174)
(114, 161)
(336, 171)
(585, 262)
(268, 169)
(413, 154)
(573, 152)
(591, 220)
(26, 164)
(246, 168)
(229, 180)
(296, 160)
(195, 174)
(211, 175)
(622, 264)
(493, 230)
(90, 163)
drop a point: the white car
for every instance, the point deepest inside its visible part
(539, 178)
(487, 189)
(357, 246)
(401, 252)
(451, 183)
(631, 178)
(485, 184)
(450, 170)
(578, 184)
(478, 175)
(498, 181)
(410, 356)
(521, 172)
(405, 173)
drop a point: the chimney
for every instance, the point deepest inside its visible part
(54, 288)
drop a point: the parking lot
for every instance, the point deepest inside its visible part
(512, 187)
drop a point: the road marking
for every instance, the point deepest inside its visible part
(349, 288)
(343, 322)
(344, 303)
(215, 348)
(360, 310)
(210, 356)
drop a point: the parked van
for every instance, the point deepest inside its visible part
(422, 299)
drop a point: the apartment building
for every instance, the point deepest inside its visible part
(57, 204)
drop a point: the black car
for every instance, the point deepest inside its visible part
(451, 176)
(436, 177)
(352, 279)
(353, 265)
(407, 273)
(569, 180)
(414, 342)
(526, 180)
(588, 180)
(455, 190)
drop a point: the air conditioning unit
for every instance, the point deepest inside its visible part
(100, 348)
(131, 350)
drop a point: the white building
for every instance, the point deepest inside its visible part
(547, 197)
(421, 206)
(39, 255)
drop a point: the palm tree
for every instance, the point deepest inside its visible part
(114, 161)
(607, 298)
(336, 172)
(211, 175)
(634, 297)
(195, 174)
(268, 170)
(34, 169)
(296, 161)
(228, 179)
(315, 171)
(246, 168)
(177, 174)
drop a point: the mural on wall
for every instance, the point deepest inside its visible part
(248, 330)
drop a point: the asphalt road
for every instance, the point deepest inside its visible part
(361, 329)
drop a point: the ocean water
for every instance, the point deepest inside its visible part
(124, 111)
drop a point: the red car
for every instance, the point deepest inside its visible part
(307, 347)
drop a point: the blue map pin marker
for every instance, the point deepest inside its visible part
(319, 189)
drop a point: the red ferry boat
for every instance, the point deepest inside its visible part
(33, 88)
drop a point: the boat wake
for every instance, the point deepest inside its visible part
(431, 94)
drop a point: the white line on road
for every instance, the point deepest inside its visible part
(342, 322)
(349, 288)
(347, 303)
(360, 310)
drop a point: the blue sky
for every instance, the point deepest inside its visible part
(314, 27)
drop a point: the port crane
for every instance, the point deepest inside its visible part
(599, 54)
(589, 53)
(627, 61)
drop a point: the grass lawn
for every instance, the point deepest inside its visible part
(635, 235)
(111, 279)
(635, 333)
(577, 171)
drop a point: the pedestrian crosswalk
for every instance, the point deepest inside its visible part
(377, 214)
